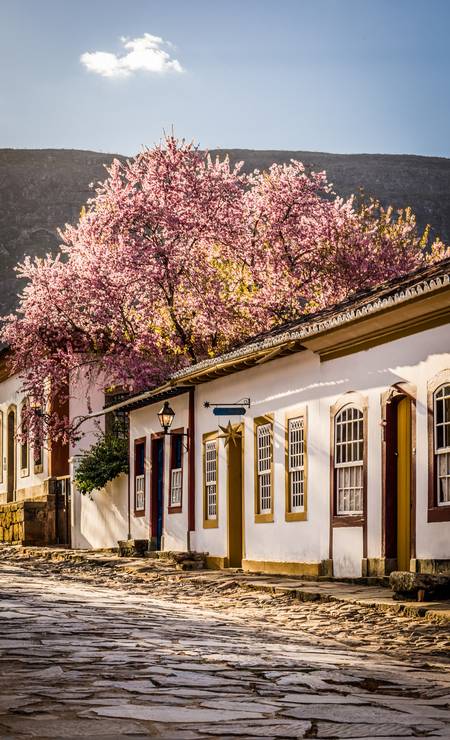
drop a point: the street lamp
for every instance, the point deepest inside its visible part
(166, 416)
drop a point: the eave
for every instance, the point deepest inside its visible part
(420, 313)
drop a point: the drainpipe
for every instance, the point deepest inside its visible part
(191, 467)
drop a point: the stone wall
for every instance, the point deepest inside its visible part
(28, 522)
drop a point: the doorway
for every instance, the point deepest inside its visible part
(235, 500)
(11, 456)
(157, 493)
(404, 457)
(398, 495)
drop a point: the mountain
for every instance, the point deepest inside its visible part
(41, 190)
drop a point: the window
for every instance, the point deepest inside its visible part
(38, 459)
(24, 446)
(116, 422)
(210, 479)
(349, 461)
(38, 450)
(176, 472)
(438, 403)
(263, 468)
(442, 444)
(139, 476)
(296, 468)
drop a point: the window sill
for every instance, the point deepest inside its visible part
(38, 469)
(264, 518)
(139, 513)
(174, 509)
(210, 523)
(296, 516)
(439, 514)
(348, 520)
(24, 473)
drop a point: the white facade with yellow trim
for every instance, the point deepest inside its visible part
(328, 494)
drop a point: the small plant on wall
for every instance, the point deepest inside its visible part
(106, 459)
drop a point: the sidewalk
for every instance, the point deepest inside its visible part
(371, 596)
(376, 597)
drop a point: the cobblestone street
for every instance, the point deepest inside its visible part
(96, 651)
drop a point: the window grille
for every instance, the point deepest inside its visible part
(176, 484)
(139, 476)
(176, 470)
(349, 451)
(296, 464)
(264, 467)
(211, 479)
(442, 443)
(140, 493)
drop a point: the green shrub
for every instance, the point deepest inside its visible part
(102, 463)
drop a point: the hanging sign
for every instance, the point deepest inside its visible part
(229, 411)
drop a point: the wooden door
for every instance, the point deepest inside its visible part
(11, 457)
(157, 493)
(235, 529)
(404, 457)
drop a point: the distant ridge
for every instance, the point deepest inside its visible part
(41, 190)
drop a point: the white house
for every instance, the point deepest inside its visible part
(34, 495)
(340, 465)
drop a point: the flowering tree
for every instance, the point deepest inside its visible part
(177, 257)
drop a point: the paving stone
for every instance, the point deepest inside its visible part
(370, 715)
(74, 728)
(177, 714)
(363, 731)
(325, 699)
(278, 729)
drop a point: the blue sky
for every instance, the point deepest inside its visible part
(323, 75)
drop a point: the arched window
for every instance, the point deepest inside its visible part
(349, 461)
(442, 443)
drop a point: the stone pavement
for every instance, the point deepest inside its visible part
(113, 650)
(375, 596)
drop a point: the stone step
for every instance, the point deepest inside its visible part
(179, 558)
(191, 565)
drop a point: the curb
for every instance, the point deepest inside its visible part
(410, 609)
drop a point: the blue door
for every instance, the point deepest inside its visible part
(159, 491)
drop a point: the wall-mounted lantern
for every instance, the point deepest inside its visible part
(166, 415)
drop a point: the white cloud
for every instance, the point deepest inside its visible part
(145, 53)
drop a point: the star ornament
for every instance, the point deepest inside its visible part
(230, 434)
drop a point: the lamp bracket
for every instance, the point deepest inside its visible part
(179, 434)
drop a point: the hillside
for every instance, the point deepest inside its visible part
(41, 190)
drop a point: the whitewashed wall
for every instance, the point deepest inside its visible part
(100, 519)
(301, 380)
(277, 387)
(106, 516)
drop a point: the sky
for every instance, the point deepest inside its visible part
(340, 76)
